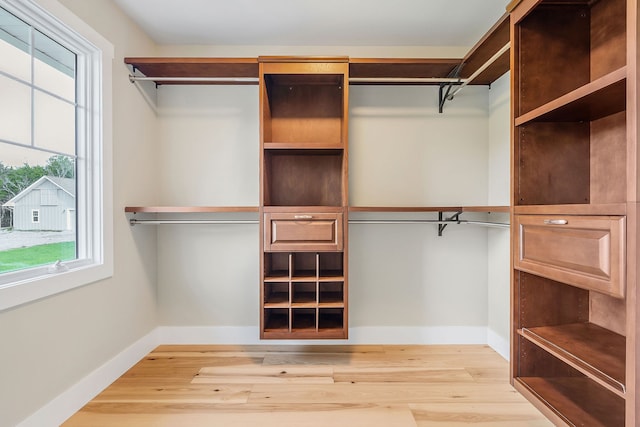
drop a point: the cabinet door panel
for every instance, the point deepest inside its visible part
(303, 232)
(584, 251)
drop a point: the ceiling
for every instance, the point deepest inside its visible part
(316, 22)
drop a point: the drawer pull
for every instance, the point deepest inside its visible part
(556, 221)
(303, 216)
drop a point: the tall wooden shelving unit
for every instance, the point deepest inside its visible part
(575, 194)
(303, 197)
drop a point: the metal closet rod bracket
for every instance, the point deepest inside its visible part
(445, 93)
(453, 218)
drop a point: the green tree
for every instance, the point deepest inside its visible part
(60, 166)
(14, 180)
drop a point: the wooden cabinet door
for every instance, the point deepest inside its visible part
(584, 251)
(303, 231)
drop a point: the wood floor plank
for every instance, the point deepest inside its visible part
(367, 417)
(512, 414)
(264, 374)
(383, 393)
(399, 374)
(167, 392)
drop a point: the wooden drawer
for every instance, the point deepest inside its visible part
(584, 251)
(303, 231)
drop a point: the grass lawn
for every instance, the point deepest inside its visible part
(18, 259)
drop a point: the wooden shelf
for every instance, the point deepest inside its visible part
(573, 209)
(283, 277)
(485, 209)
(400, 68)
(304, 147)
(575, 400)
(428, 208)
(189, 209)
(195, 67)
(327, 276)
(599, 98)
(593, 350)
(498, 36)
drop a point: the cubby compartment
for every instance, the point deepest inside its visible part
(303, 319)
(304, 110)
(583, 329)
(330, 319)
(276, 319)
(572, 397)
(303, 177)
(331, 266)
(565, 45)
(304, 266)
(277, 266)
(331, 294)
(304, 294)
(276, 294)
(571, 162)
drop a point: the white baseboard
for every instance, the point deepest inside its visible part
(74, 398)
(359, 335)
(499, 344)
(70, 401)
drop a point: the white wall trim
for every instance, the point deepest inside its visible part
(359, 335)
(75, 397)
(499, 344)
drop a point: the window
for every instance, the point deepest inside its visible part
(55, 152)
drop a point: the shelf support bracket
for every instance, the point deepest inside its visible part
(445, 88)
(453, 218)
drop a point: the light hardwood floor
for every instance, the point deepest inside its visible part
(308, 386)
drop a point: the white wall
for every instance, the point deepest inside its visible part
(402, 152)
(49, 345)
(208, 274)
(499, 194)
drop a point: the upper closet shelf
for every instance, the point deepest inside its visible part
(599, 98)
(194, 70)
(487, 209)
(483, 64)
(189, 209)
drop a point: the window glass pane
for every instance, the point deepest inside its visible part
(14, 46)
(37, 208)
(54, 67)
(15, 111)
(54, 123)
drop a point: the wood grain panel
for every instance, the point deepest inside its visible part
(586, 251)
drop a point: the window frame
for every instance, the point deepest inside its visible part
(35, 216)
(94, 214)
